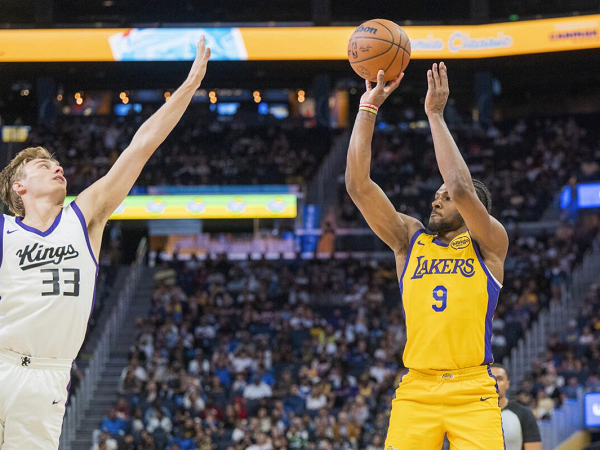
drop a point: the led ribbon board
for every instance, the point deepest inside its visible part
(136, 207)
(294, 43)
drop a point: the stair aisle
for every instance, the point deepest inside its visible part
(105, 394)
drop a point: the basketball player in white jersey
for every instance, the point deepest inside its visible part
(48, 269)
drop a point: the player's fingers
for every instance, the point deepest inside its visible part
(200, 49)
(436, 75)
(430, 82)
(444, 75)
(380, 81)
(207, 53)
(368, 84)
(393, 85)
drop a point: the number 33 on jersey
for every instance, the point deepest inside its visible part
(448, 300)
(48, 281)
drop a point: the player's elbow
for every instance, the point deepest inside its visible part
(350, 184)
(355, 187)
(460, 189)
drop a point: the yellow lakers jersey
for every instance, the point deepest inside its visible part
(448, 300)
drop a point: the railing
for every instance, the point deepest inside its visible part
(322, 188)
(79, 403)
(535, 340)
(555, 317)
(565, 421)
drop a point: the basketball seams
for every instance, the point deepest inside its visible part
(393, 59)
(383, 25)
(375, 39)
(372, 61)
(370, 57)
(404, 52)
(375, 56)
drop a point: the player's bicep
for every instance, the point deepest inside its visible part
(485, 229)
(389, 225)
(102, 198)
(532, 445)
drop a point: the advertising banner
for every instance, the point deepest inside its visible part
(294, 43)
(136, 207)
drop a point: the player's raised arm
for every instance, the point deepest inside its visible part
(485, 229)
(101, 199)
(391, 226)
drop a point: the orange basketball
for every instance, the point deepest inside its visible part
(379, 44)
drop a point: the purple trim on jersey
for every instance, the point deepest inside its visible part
(440, 243)
(410, 246)
(493, 291)
(69, 388)
(484, 267)
(489, 370)
(18, 221)
(1, 237)
(87, 240)
(491, 307)
(94, 295)
(402, 377)
(85, 231)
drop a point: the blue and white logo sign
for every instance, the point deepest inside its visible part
(592, 409)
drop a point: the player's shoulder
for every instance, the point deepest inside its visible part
(413, 226)
(71, 212)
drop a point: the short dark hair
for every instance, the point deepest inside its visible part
(500, 366)
(484, 195)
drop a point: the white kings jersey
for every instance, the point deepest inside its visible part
(47, 285)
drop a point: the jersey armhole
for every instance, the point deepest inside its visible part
(79, 215)
(410, 246)
(491, 277)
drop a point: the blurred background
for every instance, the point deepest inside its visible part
(242, 300)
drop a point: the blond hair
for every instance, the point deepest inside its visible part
(15, 171)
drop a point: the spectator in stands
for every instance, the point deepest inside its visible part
(113, 424)
(262, 443)
(279, 154)
(257, 390)
(318, 371)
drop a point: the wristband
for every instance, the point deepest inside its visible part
(367, 109)
(369, 105)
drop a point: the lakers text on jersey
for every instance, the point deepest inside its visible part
(448, 299)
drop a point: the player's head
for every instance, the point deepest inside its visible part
(33, 173)
(501, 374)
(445, 216)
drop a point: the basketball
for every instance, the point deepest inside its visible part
(379, 44)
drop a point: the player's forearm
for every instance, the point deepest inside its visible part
(358, 166)
(155, 130)
(451, 164)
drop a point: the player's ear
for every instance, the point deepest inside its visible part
(18, 187)
(507, 385)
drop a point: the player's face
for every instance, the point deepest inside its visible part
(503, 381)
(43, 177)
(444, 215)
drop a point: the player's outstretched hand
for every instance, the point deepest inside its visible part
(198, 69)
(377, 95)
(437, 89)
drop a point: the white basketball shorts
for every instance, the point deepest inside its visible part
(33, 392)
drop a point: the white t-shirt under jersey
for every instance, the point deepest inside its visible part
(47, 285)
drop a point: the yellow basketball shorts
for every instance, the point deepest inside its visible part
(462, 404)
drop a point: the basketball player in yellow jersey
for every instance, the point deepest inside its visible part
(450, 275)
